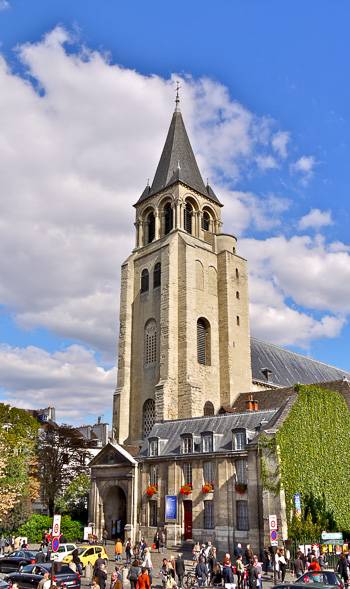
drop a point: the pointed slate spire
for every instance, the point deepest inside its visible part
(177, 162)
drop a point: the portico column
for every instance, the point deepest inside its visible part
(179, 221)
(141, 232)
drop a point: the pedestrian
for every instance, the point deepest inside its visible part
(314, 564)
(266, 560)
(164, 571)
(133, 574)
(201, 572)
(240, 571)
(216, 578)
(238, 551)
(128, 551)
(282, 563)
(196, 551)
(104, 537)
(180, 569)
(100, 561)
(94, 584)
(162, 541)
(248, 554)
(212, 560)
(76, 560)
(143, 581)
(277, 564)
(118, 550)
(253, 575)
(156, 540)
(147, 563)
(101, 575)
(45, 582)
(116, 579)
(342, 569)
(228, 577)
(40, 556)
(142, 547)
(259, 569)
(298, 565)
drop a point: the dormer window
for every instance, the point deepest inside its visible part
(239, 439)
(153, 447)
(207, 442)
(186, 445)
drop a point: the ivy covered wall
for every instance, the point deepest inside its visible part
(313, 445)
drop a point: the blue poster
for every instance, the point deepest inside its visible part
(170, 507)
(297, 503)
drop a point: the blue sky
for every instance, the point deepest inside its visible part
(84, 84)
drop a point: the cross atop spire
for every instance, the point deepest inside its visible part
(177, 99)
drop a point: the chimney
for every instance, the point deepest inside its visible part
(266, 372)
(252, 404)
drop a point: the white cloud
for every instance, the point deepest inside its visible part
(279, 143)
(4, 5)
(266, 162)
(316, 219)
(69, 380)
(245, 210)
(305, 166)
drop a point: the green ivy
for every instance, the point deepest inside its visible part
(37, 524)
(313, 450)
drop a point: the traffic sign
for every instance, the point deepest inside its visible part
(273, 522)
(55, 544)
(56, 526)
(273, 538)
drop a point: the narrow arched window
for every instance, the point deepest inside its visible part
(151, 226)
(203, 341)
(237, 294)
(144, 280)
(148, 417)
(208, 409)
(150, 343)
(206, 221)
(168, 218)
(157, 275)
(188, 212)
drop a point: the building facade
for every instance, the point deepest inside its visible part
(185, 359)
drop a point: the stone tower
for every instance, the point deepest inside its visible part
(184, 346)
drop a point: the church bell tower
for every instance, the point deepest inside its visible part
(184, 348)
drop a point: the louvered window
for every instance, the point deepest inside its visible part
(203, 341)
(206, 221)
(188, 218)
(144, 280)
(153, 513)
(148, 417)
(157, 275)
(150, 343)
(241, 471)
(151, 225)
(168, 218)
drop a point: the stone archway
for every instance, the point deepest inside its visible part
(115, 514)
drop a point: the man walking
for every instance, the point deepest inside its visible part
(180, 569)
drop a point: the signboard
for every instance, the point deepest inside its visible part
(170, 507)
(56, 526)
(273, 522)
(297, 503)
(87, 532)
(273, 538)
(332, 536)
(55, 544)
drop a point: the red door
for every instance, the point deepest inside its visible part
(188, 520)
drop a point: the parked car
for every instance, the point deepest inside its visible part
(62, 552)
(328, 577)
(12, 562)
(30, 575)
(88, 555)
(4, 584)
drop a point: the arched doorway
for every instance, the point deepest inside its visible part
(114, 507)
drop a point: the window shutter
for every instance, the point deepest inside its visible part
(201, 342)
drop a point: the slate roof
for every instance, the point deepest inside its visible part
(288, 368)
(170, 432)
(178, 164)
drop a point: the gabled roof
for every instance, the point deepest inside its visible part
(287, 368)
(112, 453)
(178, 164)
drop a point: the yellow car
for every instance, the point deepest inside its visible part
(88, 555)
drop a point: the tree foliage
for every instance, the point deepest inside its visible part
(18, 466)
(75, 498)
(37, 524)
(63, 455)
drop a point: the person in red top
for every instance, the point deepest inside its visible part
(143, 581)
(314, 565)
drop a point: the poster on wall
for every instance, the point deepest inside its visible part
(170, 507)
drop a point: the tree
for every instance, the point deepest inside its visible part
(75, 498)
(18, 483)
(63, 455)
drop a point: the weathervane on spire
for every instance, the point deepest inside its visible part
(177, 99)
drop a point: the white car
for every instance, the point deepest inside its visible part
(63, 550)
